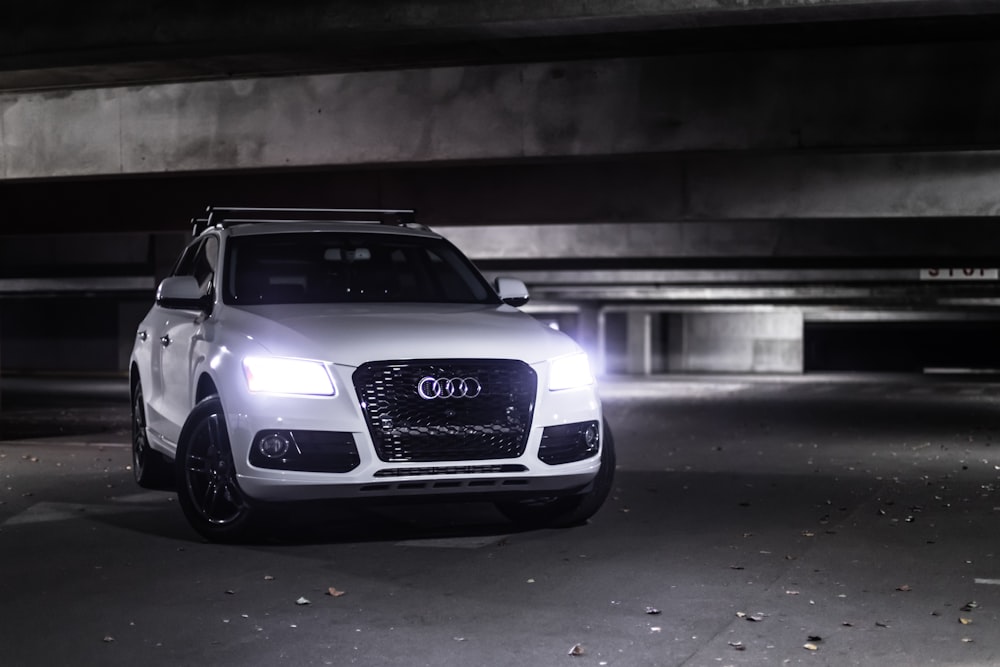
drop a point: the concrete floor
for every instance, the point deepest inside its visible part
(836, 520)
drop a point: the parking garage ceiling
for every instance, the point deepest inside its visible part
(671, 155)
(53, 44)
(755, 135)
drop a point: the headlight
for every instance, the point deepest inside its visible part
(569, 372)
(274, 375)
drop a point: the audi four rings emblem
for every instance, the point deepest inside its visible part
(430, 388)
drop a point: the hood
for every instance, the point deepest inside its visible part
(352, 334)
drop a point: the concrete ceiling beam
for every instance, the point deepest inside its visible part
(54, 44)
(926, 97)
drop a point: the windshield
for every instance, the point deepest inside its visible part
(337, 267)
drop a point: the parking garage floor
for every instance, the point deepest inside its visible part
(815, 520)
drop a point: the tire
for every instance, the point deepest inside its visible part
(150, 468)
(207, 486)
(566, 511)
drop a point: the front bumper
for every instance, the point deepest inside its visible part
(373, 477)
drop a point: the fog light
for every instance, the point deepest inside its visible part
(274, 446)
(567, 443)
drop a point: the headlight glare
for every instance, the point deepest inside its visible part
(569, 372)
(275, 375)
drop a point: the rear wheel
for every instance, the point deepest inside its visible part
(564, 511)
(150, 468)
(207, 487)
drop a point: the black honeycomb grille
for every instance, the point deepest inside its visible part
(407, 427)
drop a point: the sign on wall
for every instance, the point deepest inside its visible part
(959, 274)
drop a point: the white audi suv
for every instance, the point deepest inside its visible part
(323, 354)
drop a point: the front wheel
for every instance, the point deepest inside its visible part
(207, 487)
(564, 511)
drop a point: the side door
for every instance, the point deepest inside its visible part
(177, 330)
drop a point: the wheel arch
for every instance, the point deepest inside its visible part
(206, 387)
(133, 378)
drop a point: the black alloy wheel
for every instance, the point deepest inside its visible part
(208, 489)
(150, 469)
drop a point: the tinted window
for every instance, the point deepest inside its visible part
(324, 267)
(185, 263)
(199, 260)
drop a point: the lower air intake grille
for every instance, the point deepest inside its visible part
(447, 410)
(450, 470)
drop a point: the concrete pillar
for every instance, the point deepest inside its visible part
(642, 350)
(588, 332)
(600, 355)
(767, 341)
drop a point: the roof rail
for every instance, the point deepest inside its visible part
(225, 216)
(198, 225)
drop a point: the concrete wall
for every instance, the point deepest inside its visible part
(782, 203)
(860, 240)
(898, 98)
(69, 334)
(735, 342)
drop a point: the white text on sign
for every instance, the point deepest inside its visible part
(959, 274)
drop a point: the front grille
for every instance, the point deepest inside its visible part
(405, 426)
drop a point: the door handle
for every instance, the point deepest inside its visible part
(165, 340)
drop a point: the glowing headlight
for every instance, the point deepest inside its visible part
(274, 375)
(569, 372)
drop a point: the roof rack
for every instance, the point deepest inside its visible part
(225, 216)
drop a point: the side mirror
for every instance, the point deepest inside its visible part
(182, 292)
(512, 291)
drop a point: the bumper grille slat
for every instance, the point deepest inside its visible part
(406, 426)
(451, 470)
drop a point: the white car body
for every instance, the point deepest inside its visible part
(186, 351)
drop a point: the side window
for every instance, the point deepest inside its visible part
(185, 264)
(205, 262)
(200, 260)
